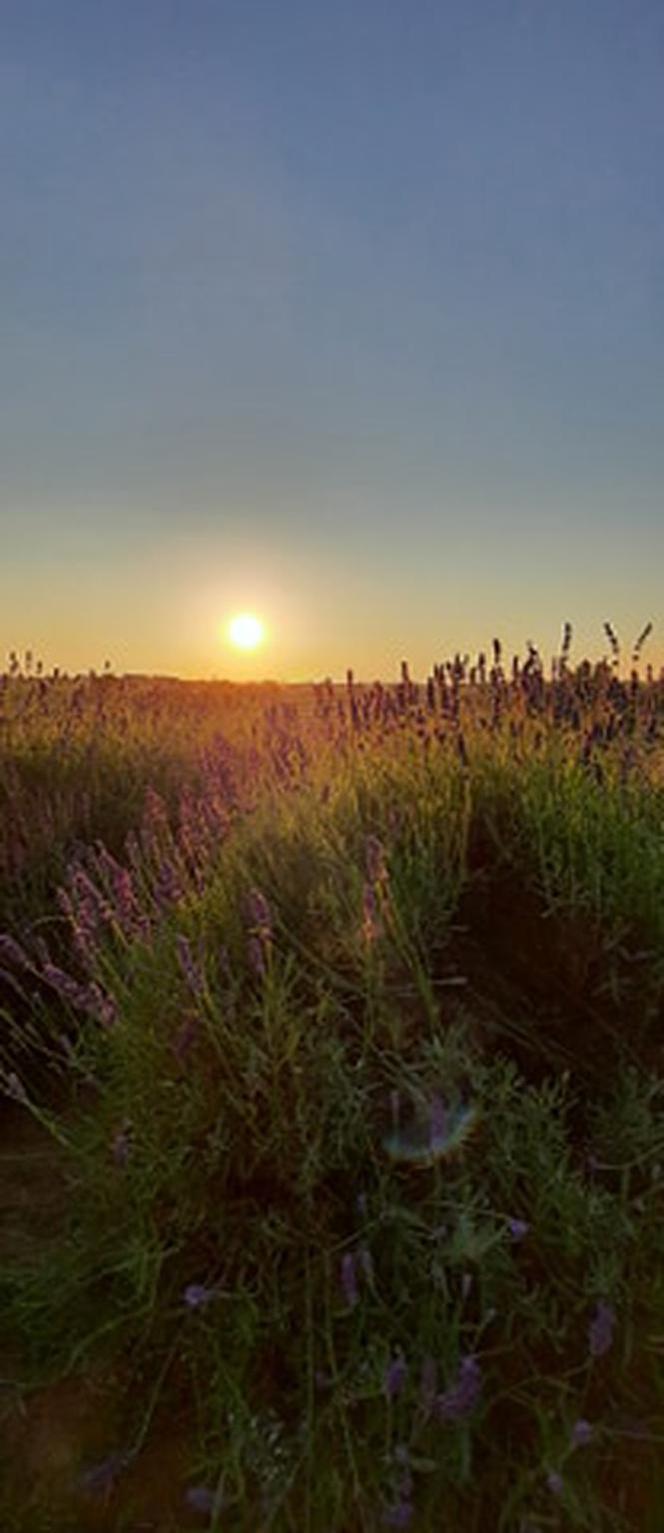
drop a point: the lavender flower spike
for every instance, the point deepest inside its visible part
(201, 1499)
(581, 1434)
(349, 1279)
(100, 1479)
(600, 1330)
(396, 1374)
(462, 1396)
(518, 1228)
(196, 1295)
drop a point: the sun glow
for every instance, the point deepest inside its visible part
(246, 631)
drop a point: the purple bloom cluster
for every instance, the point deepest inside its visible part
(462, 1396)
(201, 1499)
(349, 1279)
(582, 1433)
(518, 1228)
(371, 923)
(600, 1330)
(193, 971)
(196, 1295)
(375, 861)
(101, 1478)
(396, 1374)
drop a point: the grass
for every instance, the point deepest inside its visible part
(346, 1032)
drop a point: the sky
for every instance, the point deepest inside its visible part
(347, 314)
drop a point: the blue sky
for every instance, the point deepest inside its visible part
(350, 314)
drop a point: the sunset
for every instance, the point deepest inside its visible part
(246, 631)
(332, 766)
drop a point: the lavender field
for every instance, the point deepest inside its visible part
(332, 1116)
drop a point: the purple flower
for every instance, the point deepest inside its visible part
(371, 925)
(600, 1330)
(375, 861)
(555, 1482)
(396, 1374)
(581, 1434)
(66, 987)
(256, 953)
(462, 1396)
(99, 1005)
(196, 1295)
(13, 952)
(259, 913)
(192, 973)
(100, 1479)
(518, 1228)
(349, 1279)
(201, 1499)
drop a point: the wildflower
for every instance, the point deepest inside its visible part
(349, 1279)
(259, 914)
(518, 1228)
(462, 1396)
(256, 954)
(581, 1434)
(375, 861)
(196, 1295)
(99, 1005)
(13, 952)
(100, 1479)
(600, 1330)
(555, 1482)
(396, 1374)
(65, 986)
(371, 925)
(201, 1499)
(192, 972)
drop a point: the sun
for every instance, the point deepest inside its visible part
(246, 631)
